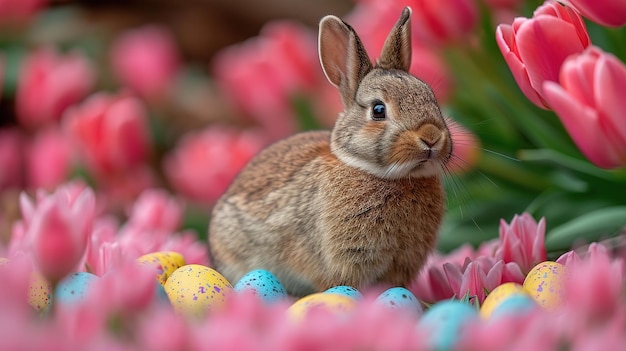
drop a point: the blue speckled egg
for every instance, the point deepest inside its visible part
(345, 290)
(399, 298)
(264, 284)
(444, 323)
(74, 287)
(516, 304)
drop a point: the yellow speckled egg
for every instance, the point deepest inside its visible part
(165, 263)
(546, 283)
(499, 294)
(195, 289)
(39, 292)
(337, 303)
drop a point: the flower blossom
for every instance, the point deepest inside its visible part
(49, 83)
(589, 100)
(534, 48)
(111, 132)
(146, 60)
(522, 242)
(610, 13)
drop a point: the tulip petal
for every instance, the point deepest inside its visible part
(505, 41)
(609, 90)
(581, 122)
(543, 45)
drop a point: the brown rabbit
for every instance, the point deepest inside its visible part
(357, 206)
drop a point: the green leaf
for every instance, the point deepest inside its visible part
(593, 226)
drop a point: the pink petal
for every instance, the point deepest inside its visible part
(543, 44)
(582, 125)
(506, 43)
(609, 92)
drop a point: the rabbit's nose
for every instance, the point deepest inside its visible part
(429, 135)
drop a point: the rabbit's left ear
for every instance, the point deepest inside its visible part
(396, 53)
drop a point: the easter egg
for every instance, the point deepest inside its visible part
(264, 284)
(163, 262)
(39, 292)
(74, 287)
(499, 294)
(444, 322)
(399, 298)
(345, 290)
(195, 289)
(546, 283)
(514, 305)
(337, 303)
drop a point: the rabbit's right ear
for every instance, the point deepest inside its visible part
(343, 57)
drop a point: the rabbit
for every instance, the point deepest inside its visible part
(360, 205)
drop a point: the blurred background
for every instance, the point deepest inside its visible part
(130, 95)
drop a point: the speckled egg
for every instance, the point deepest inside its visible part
(345, 290)
(499, 294)
(264, 284)
(195, 289)
(165, 263)
(514, 305)
(39, 292)
(336, 303)
(399, 298)
(445, 321)
(74, 287)
(546, 283)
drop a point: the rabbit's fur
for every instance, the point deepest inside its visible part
(359, 205)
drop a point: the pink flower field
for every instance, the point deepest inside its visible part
(122, 124)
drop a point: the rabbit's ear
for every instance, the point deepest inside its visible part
(396, 53)
(343, 57)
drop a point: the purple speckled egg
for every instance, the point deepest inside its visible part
(196, 290)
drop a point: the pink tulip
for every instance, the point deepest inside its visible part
(11, 158)
(476, 278)
(48, 83)
(49, 159)
(146, 60)
(522, 241)
(110, 131)
(596, 288)
(156, 210)
(263, 75)
(610, 13)
(16, 11)
(535, 48)
(443, 21)
(589, 100)
(204, 163)
(58, 231)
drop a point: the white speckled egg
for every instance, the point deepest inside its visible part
(399, 298)
(546, 283)
(195, 289)
(165, 263)
(264, 284)
(345, 290)
(74, 287)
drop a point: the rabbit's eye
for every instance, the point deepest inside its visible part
(378, 111)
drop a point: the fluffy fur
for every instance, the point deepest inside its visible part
(357, 206)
